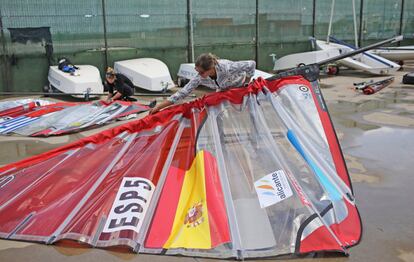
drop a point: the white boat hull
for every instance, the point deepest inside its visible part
(305, 58)
(146, 73)
(366, 62)
(86, 80)
(400, 53)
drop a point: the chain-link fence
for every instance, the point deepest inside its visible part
(34, 34)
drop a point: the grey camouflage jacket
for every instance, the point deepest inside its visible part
(229, 74)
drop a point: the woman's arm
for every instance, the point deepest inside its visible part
(186, 90)
(110, 89)
(243, 66)
(179, 95)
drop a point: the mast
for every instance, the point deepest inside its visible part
(330, 21)
(355, 24)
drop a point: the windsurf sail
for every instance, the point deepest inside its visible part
(32, 118)
(246, 173)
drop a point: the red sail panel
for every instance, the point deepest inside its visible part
(320, 239)
(163, 218)
(56, 195)
(219, 227)
(154, 149)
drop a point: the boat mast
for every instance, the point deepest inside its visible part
(355, 24)
(330, 21)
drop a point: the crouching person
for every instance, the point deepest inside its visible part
(118, 86)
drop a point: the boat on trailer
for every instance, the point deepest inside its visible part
(85, 82)
(398, 53)
(304, 58)
(365, 61)
(147, 73)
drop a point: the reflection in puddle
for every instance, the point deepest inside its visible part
(355, 124)
(358, 172)
(387, 148)
(388, 108)
(14, 148)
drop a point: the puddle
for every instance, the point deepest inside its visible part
(358, 172)
(14, 148)
(389, 119)
(385, 148)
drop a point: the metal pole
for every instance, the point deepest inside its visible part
(355, 24)
(190, 32)
(5, 67)
(330, 21)
(361, 14)
(313, 17)
(400, 32)
(257, 34)
(105, 36)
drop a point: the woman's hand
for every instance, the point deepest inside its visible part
(160, 106)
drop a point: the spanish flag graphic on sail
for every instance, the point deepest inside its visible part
(192, 225)
(200, 220)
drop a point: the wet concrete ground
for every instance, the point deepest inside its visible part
(376, 133)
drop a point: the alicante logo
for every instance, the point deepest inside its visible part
(194, 215)
(273, 188)
(270, 190)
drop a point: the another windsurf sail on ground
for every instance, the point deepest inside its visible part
(371, 87)
(18, 107)
(32, 118)
(250, 172)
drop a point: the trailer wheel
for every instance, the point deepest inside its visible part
(46, 90)
(332, 70)
(408, 78)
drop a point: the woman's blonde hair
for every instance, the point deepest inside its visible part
(206, 61)
(110, 72)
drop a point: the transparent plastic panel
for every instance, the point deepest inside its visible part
(248, 158)
(254, 148)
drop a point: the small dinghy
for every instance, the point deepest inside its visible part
(398, 53)
(146, 73)
(304, 58)
(366, 61)
(84, 82)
